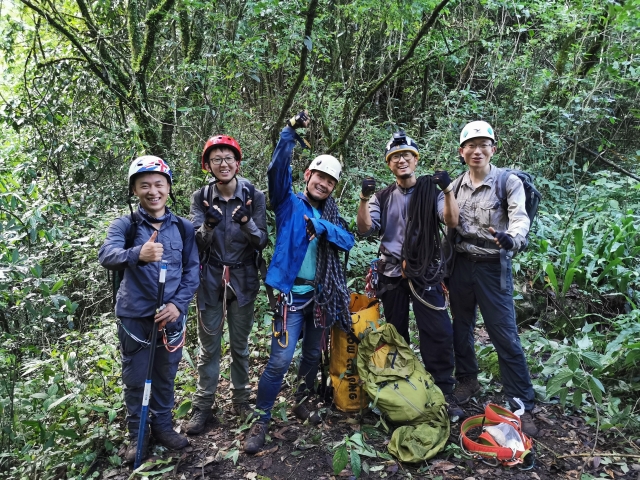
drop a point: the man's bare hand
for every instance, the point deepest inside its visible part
(151, 251)
(168, 314)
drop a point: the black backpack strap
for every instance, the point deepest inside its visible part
(383, 199)
(501, 187)
(130, 234)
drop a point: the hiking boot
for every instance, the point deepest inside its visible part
(255, 439)
(528, 424)
(467, 387)
(242, 410)
(171, 439)
(199, 419)
(453, 409)
(303, 413)
(130, 452)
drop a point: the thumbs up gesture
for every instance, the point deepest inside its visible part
(241, 214)
(151, 251)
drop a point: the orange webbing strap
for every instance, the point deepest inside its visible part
(487, 447)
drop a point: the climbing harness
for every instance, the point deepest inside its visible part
(427, 304)
(280, 317)
(501, 441)
(171, 341)
(284, 304)
(372, 279)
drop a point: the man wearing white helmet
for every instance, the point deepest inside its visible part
(137, 243)
(306, 269)
(486, 238)
(385, 213)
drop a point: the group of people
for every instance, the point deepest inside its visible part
(216, 254)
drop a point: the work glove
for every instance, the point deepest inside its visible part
(300, 120)
(241, 215)
(503, 238)
(442, 179)
(213, 216)
(368, 186)
(311, 229)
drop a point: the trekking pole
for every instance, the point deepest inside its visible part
(147, 384)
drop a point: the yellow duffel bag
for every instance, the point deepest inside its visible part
(347, 394)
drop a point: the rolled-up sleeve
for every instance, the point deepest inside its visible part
(374, 213)
(519, 222)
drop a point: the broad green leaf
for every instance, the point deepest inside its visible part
(356, 466)
(340, 459)
(577, 398)
(553, 282)
(183, 409)
(60, 401)
(57, 286)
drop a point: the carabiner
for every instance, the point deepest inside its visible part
(286, 339)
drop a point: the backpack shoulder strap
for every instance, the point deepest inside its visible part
(383, 199)
(457, 183)
(249, 192)
(130, 234)
(501, 188)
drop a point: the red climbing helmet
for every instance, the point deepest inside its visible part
(221, 141)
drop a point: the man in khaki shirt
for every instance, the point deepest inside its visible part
(487, 236)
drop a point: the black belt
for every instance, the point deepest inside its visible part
(304, 281)
(481, 243)
(474, 257)
(232, 266)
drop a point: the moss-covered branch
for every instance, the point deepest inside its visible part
(390, 74)
(286, 106)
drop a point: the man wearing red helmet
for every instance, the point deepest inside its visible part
(230, 220)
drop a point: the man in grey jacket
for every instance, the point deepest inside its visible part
(230, 218)
(487, 237)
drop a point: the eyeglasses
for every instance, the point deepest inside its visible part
(395, 158)
(471, 147)
(219, 160)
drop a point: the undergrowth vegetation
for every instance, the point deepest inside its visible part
(545, 74)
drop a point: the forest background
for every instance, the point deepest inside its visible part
(87, 86)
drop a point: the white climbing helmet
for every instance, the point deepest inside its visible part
(476, 129)
(327, 164)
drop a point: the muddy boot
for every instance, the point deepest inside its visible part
(255, 439)
(199, 419)
(528, 424)
(303, 412)
(453, 409)
(130, 452)
(171, 439)
(467, 387)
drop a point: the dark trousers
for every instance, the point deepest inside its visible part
(475, 284)
(434, 327)
(135, 360)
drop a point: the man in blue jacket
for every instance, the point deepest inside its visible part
(306, 269)
(154, 234)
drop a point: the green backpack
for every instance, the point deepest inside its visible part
(403, 390)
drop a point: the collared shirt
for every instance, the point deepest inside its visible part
(480, 208)
(229, 243)
(138, 292)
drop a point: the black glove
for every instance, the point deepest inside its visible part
(299, 120)
(442, 179)
(504, 239)
(242, 215)
(368, 186)
(212, 217)
(311, 229)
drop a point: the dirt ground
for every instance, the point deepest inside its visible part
(564, 450)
